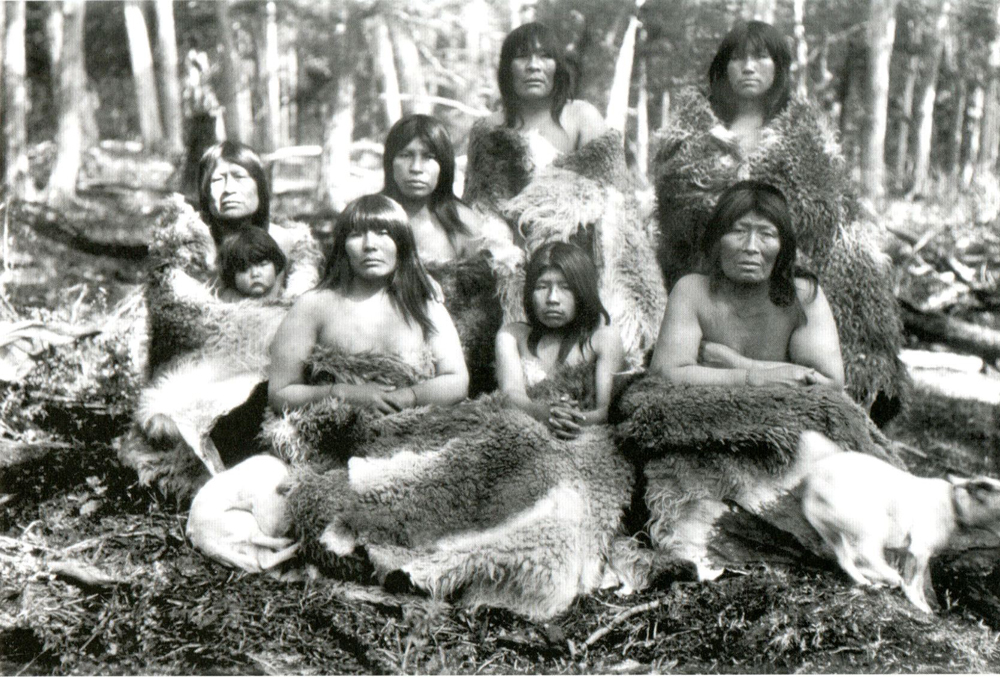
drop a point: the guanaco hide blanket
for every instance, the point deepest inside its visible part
(722, 464)
(476, 502)
(586, 197)
(696, 158)
(206, 356)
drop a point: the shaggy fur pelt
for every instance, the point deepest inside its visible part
(695, 159)
(586, 197)
(708, 447)
(476, 502)
(205, 356)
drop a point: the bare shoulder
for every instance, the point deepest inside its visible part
(607, 337)
(691, 286)
(517, 330)
(809, 292)
(495, 119)
(468, 217)
(582, 120)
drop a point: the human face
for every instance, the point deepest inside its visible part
(534, 75)
(752, 74)
(233, 191)
(748, 250)
(555, 305)
(416, 169)
(372, 254)
(257, 280)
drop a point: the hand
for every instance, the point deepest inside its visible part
(400, 398)
(720, 356)
(788, 374)
(565, 419)
(366, 394)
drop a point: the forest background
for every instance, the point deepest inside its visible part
(105, 108)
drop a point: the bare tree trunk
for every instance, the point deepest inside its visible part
(272, 82)
(70, 93)
(922, 153)
(642, 118)
(386, 64)
(338, 132)
(3, 104)
(761, 10)
(617, 114)
(905, 119)
(173, 114)
(231, 114)
(15, 106)
(958, 128)
(801, 49)
(990, 148)
(975, 130)
(881, 36)
(143, 77)
(411, 75)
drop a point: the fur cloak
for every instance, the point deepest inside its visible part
(586, 197)
(476, 502)
(695, 159)
(717, 458)
(205, 356)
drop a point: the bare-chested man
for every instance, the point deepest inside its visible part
(754, 319)
(375, 297)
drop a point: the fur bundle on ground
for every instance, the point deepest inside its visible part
(477, 502)
(695, 160)
(706, 449)
(586, 197)
(205, 356)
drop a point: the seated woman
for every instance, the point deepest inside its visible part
(751, 126)
(755, 318)
(375, 297)
(419, 166)
(201, 407)
(567, 326)
(548, 167)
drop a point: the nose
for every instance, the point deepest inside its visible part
(751, 242)
(534, 61)
(417, 164)
(552, 298)
(367, 241)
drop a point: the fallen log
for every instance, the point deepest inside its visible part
(962, 336)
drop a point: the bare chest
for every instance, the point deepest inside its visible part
(369, 325)
(759, 333)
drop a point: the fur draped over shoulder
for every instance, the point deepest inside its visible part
(707, 448)
(695, 159)
(205, 356)
(476, 502)
(586, 197)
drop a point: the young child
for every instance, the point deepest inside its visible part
(251, 266)
(567, 326)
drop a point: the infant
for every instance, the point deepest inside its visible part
(251, 266)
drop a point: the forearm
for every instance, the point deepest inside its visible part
(595, 416)
(537, 410)
(697, 374)
(298, 395)
(444, 390)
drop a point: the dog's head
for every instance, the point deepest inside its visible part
(977, 502)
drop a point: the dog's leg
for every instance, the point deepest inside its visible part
(872, 564)
(914, 572)
(845, 557)
(273, 542)
(268, 560)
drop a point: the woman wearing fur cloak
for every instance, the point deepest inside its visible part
(750, 127)
(548, 168)
(206, 356)
(748, 358)
(475, 501)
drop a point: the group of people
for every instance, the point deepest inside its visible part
(742, 311)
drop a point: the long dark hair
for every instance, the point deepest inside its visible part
(443, 202)
(409, 287)
(248, 247)
(750, 38)
(524, 41)
(761, 198)
(244, 156)
(581, 276)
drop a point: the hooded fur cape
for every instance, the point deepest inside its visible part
(476, 502)
(706, 448)
(205, 356)
(585, 197)
(694, 162)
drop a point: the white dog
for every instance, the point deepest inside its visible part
(239, 518)
(861, 505)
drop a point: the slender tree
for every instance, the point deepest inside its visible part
(958, 128)
(15, 105)
(411, 73)
(143, 77)
(386, 65)
(173, 114)
(270, 71)
(801, 49)
(975, 131)
(990, 149)
(70, 93)
(617, 112)
(338, 130)
(906, 118)
(230, 75)
(881, 34)
(935, 54)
